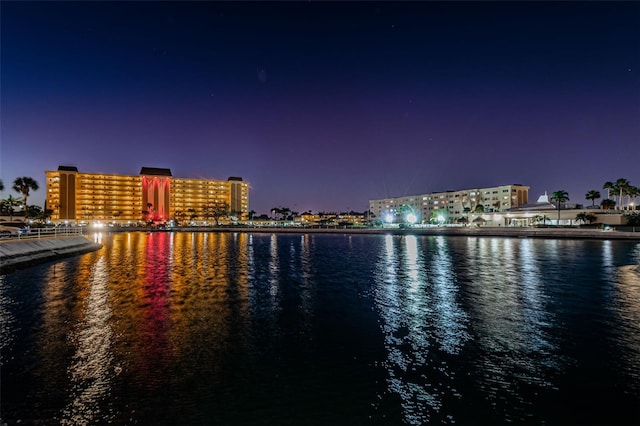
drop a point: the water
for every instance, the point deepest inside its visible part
(267, 329)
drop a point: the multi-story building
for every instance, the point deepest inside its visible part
(154, 194)
(451, 204)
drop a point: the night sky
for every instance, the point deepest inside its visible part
(323, 106)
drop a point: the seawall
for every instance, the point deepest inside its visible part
(482, 231)
(15, 254)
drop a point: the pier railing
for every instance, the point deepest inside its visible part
(60, 231)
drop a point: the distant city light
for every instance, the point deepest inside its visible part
(388, 218)
(411, 218)
(440, 218)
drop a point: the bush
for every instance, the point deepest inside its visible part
(633, 219)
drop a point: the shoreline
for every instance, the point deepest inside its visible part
(505, 232)
(19, 254)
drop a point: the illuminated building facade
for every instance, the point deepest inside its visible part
(152, 195)
(452, 204)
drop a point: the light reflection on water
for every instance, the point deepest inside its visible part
(420, 319)
(237, 328)
(510, 319)
(92, 369)
(626, 306)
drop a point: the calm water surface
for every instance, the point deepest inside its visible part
(279, 329)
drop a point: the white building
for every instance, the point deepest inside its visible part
(450, 205)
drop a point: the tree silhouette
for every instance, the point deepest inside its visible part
(608, 185)
(622, 186)
(23, 185)
(8, 204)
(608, 204)
(585, 217)
(560, 196)
(592, 195)
(216, 210)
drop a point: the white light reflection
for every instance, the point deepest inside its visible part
(6, 319)
(627, 307)
(450, 319)
(412, 268)
(274, 267)
(418, 308)
(607, 257)
(251, 261)
(537, 317)
(510, 316)
(92, 370)
(306, 284)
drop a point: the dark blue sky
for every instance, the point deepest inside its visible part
(324, 106)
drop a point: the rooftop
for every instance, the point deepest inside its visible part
(154, 171)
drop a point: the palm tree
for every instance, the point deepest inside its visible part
(45, 215)
(285, 212)
(276, 211)
(622, 185)
(8, 204)
(23, 185)
(148, 214)
(630, 192)
(592, 195)
(608, 204)
(540, 218)
(585, 217)
(560, 196)
(179, 216)
(545, 218)
(608, 185)
(633, 192)
(33, 212)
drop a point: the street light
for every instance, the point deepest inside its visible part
(388, 217)
(411, 218)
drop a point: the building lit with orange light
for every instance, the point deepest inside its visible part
(154, 194)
